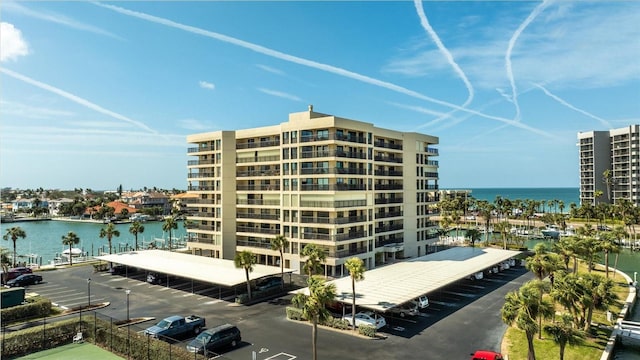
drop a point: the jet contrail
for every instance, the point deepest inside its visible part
(554, 97)
(425, 24)
(312, 64)
(507, 56)
(76, 99)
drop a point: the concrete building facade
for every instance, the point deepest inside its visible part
(610, 165)
(349, 187)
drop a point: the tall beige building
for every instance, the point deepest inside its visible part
(349, 187)
(616, 153)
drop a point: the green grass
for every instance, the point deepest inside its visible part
(80, 351)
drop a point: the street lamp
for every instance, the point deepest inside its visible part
(88, 293)
(128, 325)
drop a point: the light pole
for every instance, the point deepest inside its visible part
(88, 293)
(128, 327)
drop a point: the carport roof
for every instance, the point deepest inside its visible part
(201, 268)
(392, 285)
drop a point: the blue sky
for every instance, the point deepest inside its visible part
(95, 95)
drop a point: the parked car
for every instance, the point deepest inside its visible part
(156, 278)
(269, 283)
(366, 318)
(22, 270)
(476, 276)
(422, 302)
(486, 355)
(117, 269)
(10, 275)
(175, 326)
(25, 279)
(215, 338)
(406, 309)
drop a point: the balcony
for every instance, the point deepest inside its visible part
(384, 215)
(272, 158)
(246, 215)
(388, 186)
(333, 187)
(390, 227)
(200, 175)
(257, 230)
(200, 149)
(258, 187)
(266, 172)
(387, 145)
(389, 200)
(335, 170)
(257, 144)
(347, 252)
(387, 173)
(334, 204)
(387, 158)
(258, 202)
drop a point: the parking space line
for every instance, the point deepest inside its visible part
(281, 356)
(460, 294)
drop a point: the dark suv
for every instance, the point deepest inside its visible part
(269, 283)
(215, 338)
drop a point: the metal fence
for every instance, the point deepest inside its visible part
(114, 335)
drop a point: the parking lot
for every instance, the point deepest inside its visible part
(461, 317)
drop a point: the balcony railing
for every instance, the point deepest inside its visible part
(257, 144)
(332, 187)
(383, 215)
(200, 175)
(386, 144)
(327, 220)
(258, 202)
(258, 230)
(388, 186)
(270, 172)
(388, 228)
(260, 187)
(389, 200)
(200, 149)
(333, 204)
(245, 215)
(388, 173)
(345, 253)
(271, 158)
(386, 158)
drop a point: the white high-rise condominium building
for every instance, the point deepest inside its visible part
(610, 165)
(349, 187)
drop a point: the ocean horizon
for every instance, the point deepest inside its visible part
(566, 194)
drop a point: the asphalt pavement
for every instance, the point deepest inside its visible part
(461, 318)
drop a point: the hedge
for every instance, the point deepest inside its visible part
(293, 313)
(97, 331)
(36, 309)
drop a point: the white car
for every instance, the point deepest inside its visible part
(422, 302)
(366, 318)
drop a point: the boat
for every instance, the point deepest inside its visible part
(551, 232)
(75, 252)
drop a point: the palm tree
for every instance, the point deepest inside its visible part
(170, 224)
(5, 262)
(109, 232)
(474, 235)
(598, 294)
(14, 233)
(566, 248)
(567, 292)
(504, 227)
(136, 228)
(70, 239)
(280, 243)
(246, 259)
(564, 333)
(314, 306)
(542, 263)
(315, 258)
(356, 269)
(521, 308)
(609, 244)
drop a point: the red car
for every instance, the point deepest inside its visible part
(486, 355)
(22, 270)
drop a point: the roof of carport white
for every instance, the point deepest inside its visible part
(201, 268)
(388, 286)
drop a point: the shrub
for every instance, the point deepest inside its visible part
(294, 313)
(367, 330)
(39, 308)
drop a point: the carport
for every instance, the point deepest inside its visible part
(205, 269)
(392, 285)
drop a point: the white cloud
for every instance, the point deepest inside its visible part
(30, 112)
(12, 43)
(207, 85)
(55, 18)
(193, 124)
(270, 69)
(279, 94)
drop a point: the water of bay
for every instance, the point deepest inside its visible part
(44, 238)
(566, 195)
